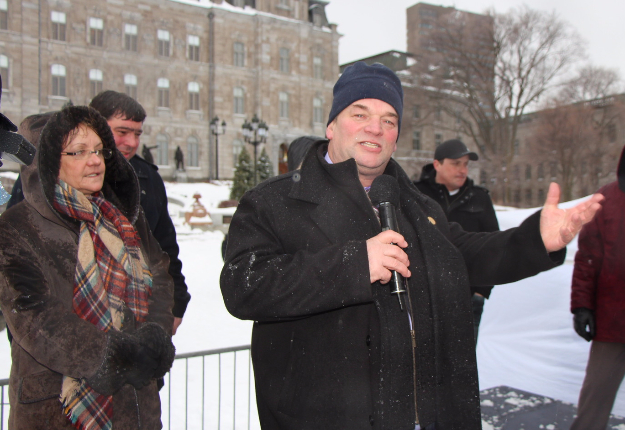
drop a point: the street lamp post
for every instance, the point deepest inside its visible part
(255, 133)
(215, 131)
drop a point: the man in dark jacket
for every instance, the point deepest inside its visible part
(446, 181)
(306, 261)
(598, 305)
(125, 116)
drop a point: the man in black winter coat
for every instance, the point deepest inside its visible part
(306, 261)
(125, 116)
(446, 181)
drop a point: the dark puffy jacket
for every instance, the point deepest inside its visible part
(154, 204)
(472, 207)
(599, 273)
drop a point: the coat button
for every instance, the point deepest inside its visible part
(368, 340)
(371, 420)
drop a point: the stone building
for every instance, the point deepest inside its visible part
(537, 159)
(185, 61)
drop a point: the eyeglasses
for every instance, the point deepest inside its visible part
(84, 154)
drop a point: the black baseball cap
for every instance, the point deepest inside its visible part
(453, 149)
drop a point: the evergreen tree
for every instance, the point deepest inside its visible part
(243, 176)
(264, 168)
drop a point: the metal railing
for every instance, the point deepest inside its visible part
(211, 389)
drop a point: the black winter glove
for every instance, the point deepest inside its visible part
(584, 317)
(157, 339)
(127, 360)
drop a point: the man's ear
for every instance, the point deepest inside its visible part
(330, 130)
(437, 164)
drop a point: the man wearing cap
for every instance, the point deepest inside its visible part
(446, 181)
(306, 261)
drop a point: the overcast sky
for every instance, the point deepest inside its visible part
(373, 26)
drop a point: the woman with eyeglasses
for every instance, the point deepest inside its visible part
(84, 287)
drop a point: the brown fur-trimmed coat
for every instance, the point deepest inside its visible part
(38, 251)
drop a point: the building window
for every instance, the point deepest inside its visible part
(96, 31)
(540, 173)
(583, 169)
(4, 71)
(528, 172)
(237, 147)
(59, 25)
(130, 84)
(317, 68)
(611, 131)
(58, 80)
(317, 110)
(194, 96)
(193, 43)
(130, 37)
(516, 147)
(285, 66)
(284, 104)
(162, 150)
(528, 196)
(239, 54)
(541, 196)
(238, 100)
(554, 169)
(416, 140)
(4, 15)
(95, 82)
(163, 92)
(416, 111)
(193, 154)
(438, 139)
(517, 197)
(438, 115)
(163, 43)
(483, 178)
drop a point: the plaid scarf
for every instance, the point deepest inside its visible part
(110, 274)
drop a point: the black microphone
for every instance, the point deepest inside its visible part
(384, 194)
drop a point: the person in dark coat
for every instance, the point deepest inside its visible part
(598, 305)
(125, 116)
(298, 149)
(446, 181)
(84, 286)
(306, 261)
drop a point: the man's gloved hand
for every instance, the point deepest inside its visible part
(584, 323)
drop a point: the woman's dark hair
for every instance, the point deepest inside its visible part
(111, 103)
(59, 130)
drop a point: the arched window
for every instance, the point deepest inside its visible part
(238, 100)
(58, 80)
(4, 71)
(95, 82)
(238, 54)
(193, 152)
(163, 92)
(237, 147)
(162, 152)
(130, 84)
(284, 104)
(317, 110)
(194, 95)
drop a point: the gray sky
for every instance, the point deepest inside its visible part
(373, 26)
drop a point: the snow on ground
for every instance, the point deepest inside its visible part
(526, 338)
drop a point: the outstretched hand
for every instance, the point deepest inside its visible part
(558, 226)
(386, 254)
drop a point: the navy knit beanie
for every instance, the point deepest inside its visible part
(360, 81)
